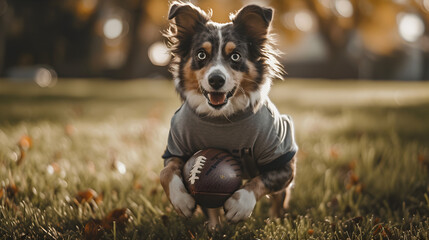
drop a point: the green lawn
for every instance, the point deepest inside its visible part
(362, 171)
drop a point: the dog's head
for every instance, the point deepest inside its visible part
(222, 68)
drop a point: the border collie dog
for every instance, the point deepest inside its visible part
(223, 73)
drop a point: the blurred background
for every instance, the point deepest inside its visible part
(121, 39)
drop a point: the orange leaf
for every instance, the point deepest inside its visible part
(354, 179)
(377, 220)
(137, 185)
(1, 193)
(310, 231)
(334, 153)
(99, 198)
(69, 129)
(120, 216)
(85, 196)
(352, 164)
(25, 142)
(93, 230)
(421, 157)
(359, 188)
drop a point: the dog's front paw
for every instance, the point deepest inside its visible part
(181, 200)
(240, 205)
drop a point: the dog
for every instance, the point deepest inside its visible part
(223, 73)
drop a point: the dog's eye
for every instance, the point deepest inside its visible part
(235, 57)
(201, 55)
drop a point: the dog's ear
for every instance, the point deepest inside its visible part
(188, 18)
(253, 20)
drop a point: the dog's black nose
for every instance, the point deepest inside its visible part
(216, 80)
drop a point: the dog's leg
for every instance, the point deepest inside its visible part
(171, 181)
(287, 197)
(214, 218)
(277, 199)
(240, 205)
(279, 203)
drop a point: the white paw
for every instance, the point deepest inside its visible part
(181, 200)
(240, 205)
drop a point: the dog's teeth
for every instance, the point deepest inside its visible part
(217, 98)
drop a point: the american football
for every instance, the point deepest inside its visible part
(212, 176)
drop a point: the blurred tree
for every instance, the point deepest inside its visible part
(359, 38)
(422, 7)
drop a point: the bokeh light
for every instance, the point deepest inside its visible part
(159, 54)
(113, 28)
(426, 5)
(45, 77)
(303, 21)
(344, 8)
(410, 26)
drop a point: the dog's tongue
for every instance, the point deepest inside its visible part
(217, 98)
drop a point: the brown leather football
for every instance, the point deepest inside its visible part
(212, 176)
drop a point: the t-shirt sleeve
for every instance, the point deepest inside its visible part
(175, 143)
(278, 147)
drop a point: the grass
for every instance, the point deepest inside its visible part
(362, 171)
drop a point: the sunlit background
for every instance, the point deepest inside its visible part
(122, 39)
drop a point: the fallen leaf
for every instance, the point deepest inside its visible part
(119, 216)
(334, 153)
(99, 198)
(310, 231)
(69, 129)
(137, 185)
(377, 220)
(354, 179)
(421, 157)
(423, 160)
(93, 229)
(352, 164)
(359, 187)
(85, 196)
(11, 191)
(25, 142)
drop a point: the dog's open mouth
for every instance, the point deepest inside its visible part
(218, 99)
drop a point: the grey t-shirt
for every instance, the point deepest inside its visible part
(263, 140)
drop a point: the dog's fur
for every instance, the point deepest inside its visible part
(221, 69)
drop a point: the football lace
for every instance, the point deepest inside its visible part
(196, 169)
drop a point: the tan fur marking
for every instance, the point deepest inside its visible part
(173, 167)
(248, 83)
(191, 80)
(208, 47)
(229, 47)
